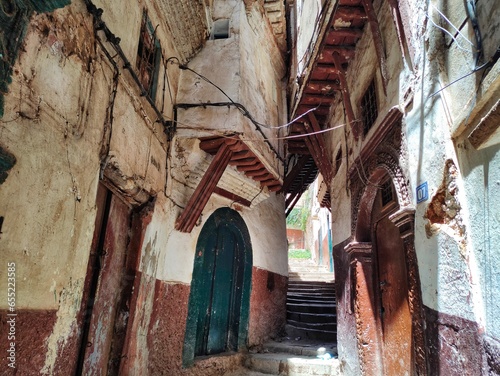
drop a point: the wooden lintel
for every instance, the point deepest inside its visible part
(232, 196)
(377, 40)
(204, 190)
(347, 97)
(323, 98)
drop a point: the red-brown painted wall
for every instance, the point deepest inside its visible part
(32, 328)
(455, 345)
(346, 321)
(267, 306)
(295, 238)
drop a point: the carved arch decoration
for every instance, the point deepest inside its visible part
(387, 157)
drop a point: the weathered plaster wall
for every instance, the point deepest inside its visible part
(67, 129)
(267, 306)
(455, 227)
(249, 71)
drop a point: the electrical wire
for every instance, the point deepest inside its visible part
(238, 105)
(488, 64)
(453, 26)
(450, 34)
(231, 136)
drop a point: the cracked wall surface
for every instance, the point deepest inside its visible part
(75, 118)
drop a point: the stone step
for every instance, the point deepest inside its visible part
(311, 308)
(325, 335)
(311, 278)
(330, 327)
(291, 365)
(300, 347)
(317, 287)
(310, 299)
(312, 317)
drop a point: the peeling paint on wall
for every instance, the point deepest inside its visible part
(444, 211)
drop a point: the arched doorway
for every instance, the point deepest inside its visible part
(381, 230)
(220, 288)
(391, 278)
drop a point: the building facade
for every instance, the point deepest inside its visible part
(140, 171)
(396, 105)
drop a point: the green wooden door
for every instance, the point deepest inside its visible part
(220, 289)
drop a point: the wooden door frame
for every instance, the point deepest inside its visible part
(361, 253)
(231, 217)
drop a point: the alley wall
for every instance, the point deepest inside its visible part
(77, 122)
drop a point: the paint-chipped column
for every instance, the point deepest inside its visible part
(404, 219)
(361, 263)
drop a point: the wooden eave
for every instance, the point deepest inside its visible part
(228, 150)
(325, 81)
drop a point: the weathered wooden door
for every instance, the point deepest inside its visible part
(395, 315)
(104, 292)
(219, 299)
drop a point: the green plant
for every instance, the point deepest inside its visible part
(298, 217)
(299, 254)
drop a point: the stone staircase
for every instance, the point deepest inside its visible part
(311, 303)
(310, 347)
(290, 358)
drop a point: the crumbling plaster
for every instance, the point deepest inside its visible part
(249, 72)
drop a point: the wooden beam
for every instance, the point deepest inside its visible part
(347, 52)
(205, 188)
(348, 14)
(347, 97)
(327, 175)
(211, 144)
(290, 177)
(396, 15)
(346, 32)
(254, 167)
(323, 85)
(377, 40)
(314, 149)
(232, 196)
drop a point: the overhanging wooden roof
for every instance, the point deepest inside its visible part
(324, 80)
(227, 150)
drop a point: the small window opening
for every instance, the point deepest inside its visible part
(369, 111)
(148, 57)
(387, 192)
(220, 29)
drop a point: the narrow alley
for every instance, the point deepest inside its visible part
(250, 187)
